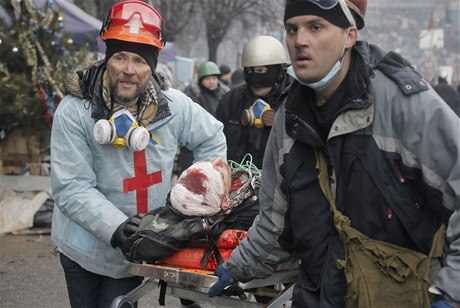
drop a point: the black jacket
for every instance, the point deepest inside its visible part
(240, 139)
(206, 98)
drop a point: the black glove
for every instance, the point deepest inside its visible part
(224, 285)
(125, 230)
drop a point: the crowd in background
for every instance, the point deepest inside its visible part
(403, 40)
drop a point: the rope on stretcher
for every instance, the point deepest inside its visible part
(247, 165)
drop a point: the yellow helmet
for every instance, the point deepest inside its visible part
(263, 50)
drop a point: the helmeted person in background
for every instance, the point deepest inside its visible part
(362, 168)
(448, 93)
(207, 92)
(113, 143)
(247, 111)
(225, 74)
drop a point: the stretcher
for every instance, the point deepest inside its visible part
(194, 284)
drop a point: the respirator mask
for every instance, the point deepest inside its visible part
(122, 131)
(260, 114)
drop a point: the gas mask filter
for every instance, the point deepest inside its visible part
(260, 114)
(121, 130)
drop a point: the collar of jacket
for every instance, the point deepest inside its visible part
(282, 90)
(393, 65)
(355, 104)
(297, 127)
(91, 83)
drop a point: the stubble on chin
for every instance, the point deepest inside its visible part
(125, 98)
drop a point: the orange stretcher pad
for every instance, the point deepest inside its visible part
(192, 257)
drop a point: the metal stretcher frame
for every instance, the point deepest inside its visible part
(195, 284)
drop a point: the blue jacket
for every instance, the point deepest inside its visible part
(96, 187)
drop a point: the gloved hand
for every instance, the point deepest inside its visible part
(440, 304)
(224, 285)
(125, 230)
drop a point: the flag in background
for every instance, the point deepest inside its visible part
(431, 21)
(431, 38)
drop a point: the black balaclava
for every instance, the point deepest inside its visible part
(262, 80)
(148, 52)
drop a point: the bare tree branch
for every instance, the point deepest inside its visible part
(176, 14)
(219, 16)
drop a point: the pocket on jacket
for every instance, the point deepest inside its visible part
(409, 213)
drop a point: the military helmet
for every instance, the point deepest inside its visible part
(208, 68)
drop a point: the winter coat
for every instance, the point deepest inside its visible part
(207, 99)
(394, 160)
(249, 139)
(96, 187)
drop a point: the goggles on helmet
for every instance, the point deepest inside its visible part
(123, 12)
(329, 4)
(133, 21)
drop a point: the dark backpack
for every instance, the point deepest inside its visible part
(164, 231)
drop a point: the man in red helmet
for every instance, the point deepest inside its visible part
(360, 173)
(113, 144)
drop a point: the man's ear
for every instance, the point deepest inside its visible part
(352, 37)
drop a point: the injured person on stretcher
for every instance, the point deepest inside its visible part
(207, 214)
(199, 209)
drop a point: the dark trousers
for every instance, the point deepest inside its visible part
(90, 290)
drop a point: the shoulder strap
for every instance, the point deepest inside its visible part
(339, 218)
(321, 165)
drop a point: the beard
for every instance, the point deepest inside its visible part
(125, 97)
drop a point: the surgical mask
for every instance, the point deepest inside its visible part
(320, 84)
(122, 131)
(260, 114)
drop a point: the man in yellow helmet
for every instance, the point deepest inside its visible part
(247, 110)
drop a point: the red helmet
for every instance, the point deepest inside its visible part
(133, 21)
(359, 7)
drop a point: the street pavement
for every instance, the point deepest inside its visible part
(31, 275)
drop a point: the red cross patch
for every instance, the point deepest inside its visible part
(141, 181)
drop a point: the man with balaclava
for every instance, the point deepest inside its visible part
(247, 111)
